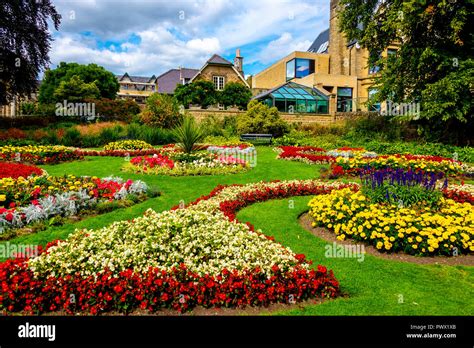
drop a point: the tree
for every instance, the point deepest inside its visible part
(199, 92)
(24, 45)
(105, 81)
(235, 94)
(182, 94)
(433, 65)
(260, 118)
(161, 110)
(76, 90)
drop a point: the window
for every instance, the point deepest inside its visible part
(297, 68)
(373, 68)
(304, 67)
(373, 106)
(296, 98)
(344, 99)
(290, 70)
(218, 82)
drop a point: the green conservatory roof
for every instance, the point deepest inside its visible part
(292, 90)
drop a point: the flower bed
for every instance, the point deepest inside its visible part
(127, 145)
(16, 170)
(400, 211)
(180, 164)
(178, 259)
(25, 201)
(352, 161)
(38, 154)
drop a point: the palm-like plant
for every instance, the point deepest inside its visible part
(188, 134)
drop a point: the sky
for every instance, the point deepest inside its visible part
(146, 37)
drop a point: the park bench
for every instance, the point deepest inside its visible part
(263, 138)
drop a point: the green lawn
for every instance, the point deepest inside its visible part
(373, 287)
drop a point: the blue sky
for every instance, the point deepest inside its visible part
(146, 37)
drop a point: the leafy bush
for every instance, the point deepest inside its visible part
(212, 125)
(116, 109)
(188, 134)
(235, 94)
(199, 92)
(152, 135)
(161, 111)
(108, 135)
(261, 118)
(72, 137)
(28, 108)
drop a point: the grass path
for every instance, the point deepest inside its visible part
(374, 286)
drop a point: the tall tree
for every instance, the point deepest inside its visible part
(433, 65)
(76, 90)
(24, 44)
(105, 80)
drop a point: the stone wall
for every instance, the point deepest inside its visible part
(291, 118)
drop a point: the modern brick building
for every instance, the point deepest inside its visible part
(332, 66)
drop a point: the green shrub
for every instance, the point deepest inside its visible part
(211, 125)
(235, 94)
(161, 111)
(108, 135)
(116, 109)
(262, 119)
(91, 141)
(72, 137)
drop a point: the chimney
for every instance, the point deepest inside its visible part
(239, 62)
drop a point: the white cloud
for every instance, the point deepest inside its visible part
(279, 48)
(183, 32)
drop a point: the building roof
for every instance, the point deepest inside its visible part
(321, 44)
(138, 79)
(293, 90)
(168, 81)
(217, 59)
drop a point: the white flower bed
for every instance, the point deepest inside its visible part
(205, 242)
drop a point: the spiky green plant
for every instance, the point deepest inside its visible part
(188, 134)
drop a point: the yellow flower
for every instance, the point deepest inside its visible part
(3, 198)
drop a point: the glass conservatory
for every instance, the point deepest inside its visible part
(295, 98)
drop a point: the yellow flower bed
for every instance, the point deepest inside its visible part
(418, 231)
(414, 162)
(127, 145)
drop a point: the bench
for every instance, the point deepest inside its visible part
(264, 138)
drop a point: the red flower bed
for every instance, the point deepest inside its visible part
(303, 152)
(119, 153)
(459, 196)
(179, 289)
(15, 170)
(157, 160)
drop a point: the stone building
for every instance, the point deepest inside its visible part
(220, 71)
(332, 66)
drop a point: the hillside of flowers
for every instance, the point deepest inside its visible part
(352, 161)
